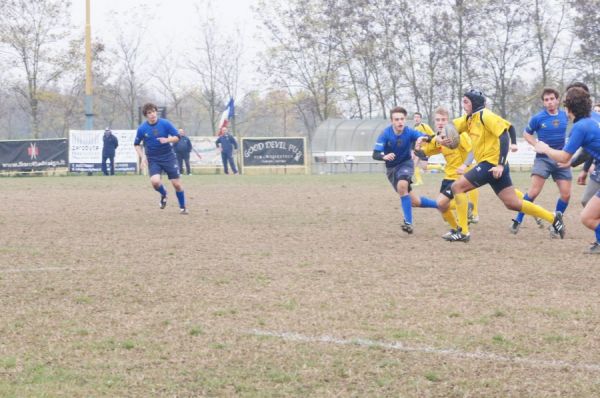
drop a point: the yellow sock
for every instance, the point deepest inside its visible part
(519, 194)
(452, 205)
(418, 178)
(537, 211)
(448, 215)
(473, 196)
(462, 208)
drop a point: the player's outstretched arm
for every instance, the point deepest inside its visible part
(554, 154)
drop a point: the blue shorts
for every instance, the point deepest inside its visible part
(403, 171)
(480, 175)
(169, 166)
(546, 167)
(446, 189)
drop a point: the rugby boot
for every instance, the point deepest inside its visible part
(558, 225)
(514, 228)
(458, 236)
(593, 249)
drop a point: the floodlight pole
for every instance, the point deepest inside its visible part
(89, 105)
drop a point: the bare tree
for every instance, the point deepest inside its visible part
(587, 29)
(32, 31)
(303, 57)
(168, 74)
(130, 81)
(432, 71)
(506, 51)
(217, 62)
(548, 28)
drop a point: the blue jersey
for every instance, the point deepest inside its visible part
(150, 133)
(551, 129)
(228, 143)
(586, 134)
(398, 144)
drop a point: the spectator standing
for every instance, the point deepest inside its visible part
(109, 147)
(183, 148)
(227, 146)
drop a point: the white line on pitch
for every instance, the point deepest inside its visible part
(44, 269)
(399, 346)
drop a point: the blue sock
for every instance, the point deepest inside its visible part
(561, 205)
(406, 208)
(162, 190)
(520, 216)
(429, 203)
(597, 230)
(181, 199)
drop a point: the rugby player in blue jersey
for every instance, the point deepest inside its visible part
(585, 134)
(158, 135)
(550, 126)
(590, 166)
(394, 145)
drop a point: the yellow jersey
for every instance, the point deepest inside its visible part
(424, 128)
(454, 157)
(484, 127)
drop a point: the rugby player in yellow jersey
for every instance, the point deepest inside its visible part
(473, 195)
(418, 157)
(491, 142)
(454, 159)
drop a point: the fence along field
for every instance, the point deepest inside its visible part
(285, 286)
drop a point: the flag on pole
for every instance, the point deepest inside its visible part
(227, 115)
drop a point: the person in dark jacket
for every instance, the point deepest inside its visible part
(183, 148)
(108, 151)
(227, 145)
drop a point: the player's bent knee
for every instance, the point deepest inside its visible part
(513, 205)
(155, 180)
(587, 222)
(443, 205)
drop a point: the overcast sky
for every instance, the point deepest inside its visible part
(171, 21)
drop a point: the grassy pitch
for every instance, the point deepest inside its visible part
(286, 286)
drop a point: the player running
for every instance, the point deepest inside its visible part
(586, 134)
(158, 135)
(394, 146)
(550, 126)
(419, 158)
(454, 159)
(490, 149)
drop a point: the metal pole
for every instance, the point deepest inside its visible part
(89, 104)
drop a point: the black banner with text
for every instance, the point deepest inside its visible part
(273, 151)
(33, 154)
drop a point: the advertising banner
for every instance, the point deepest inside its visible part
(273, 152)
(85, 151)
(33, 154)
(204, 152)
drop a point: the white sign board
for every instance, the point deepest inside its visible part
(85, 150)
(204, 152)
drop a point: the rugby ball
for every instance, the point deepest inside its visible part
(452, 135)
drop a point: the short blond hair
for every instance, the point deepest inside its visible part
(442, 111)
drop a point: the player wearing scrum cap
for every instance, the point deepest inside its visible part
(491, 142)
